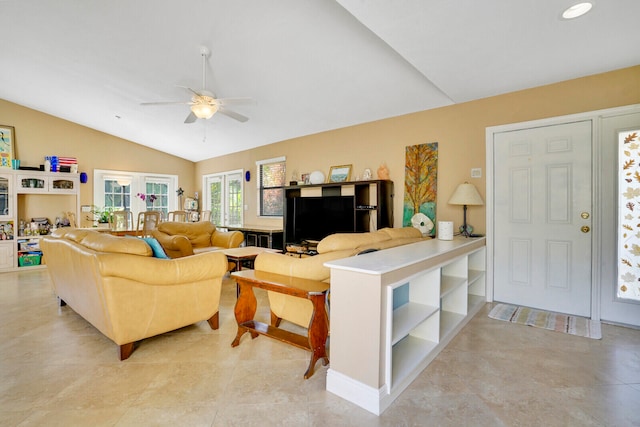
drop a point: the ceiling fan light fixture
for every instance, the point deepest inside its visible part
(577, 10)
(204, 111)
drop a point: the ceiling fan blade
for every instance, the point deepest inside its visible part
(166, 103)
(239, 117)
(190, 90)
(234, 101)
(190, 118)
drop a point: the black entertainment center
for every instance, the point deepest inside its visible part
(313, 212)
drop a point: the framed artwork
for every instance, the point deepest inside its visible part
(340, 173)
(7, 136)
(420, 185)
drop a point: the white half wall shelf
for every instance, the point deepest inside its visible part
(393, 311)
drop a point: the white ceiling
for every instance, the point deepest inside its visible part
(309, 66)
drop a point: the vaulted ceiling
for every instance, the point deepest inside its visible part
(308, 66)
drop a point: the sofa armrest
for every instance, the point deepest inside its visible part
(175, 246)
(227, 239)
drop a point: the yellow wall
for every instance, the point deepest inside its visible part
(458, 129)
(39, 135)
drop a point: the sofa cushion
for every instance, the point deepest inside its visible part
(74, 234)
(400, 233)
(198, 233)
(342, 241)
(103, 242)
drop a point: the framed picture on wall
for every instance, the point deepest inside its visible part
(340, 173)
(7, 136)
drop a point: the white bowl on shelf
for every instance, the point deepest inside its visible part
(316, 177)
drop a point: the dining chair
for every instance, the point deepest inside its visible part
(121, 220)
(72, 219)
(147, 221)
(177, 216)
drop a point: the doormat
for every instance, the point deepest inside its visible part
(573, 325)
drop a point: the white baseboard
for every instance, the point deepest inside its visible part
(369, 398)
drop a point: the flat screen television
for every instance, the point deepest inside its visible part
(313, 218)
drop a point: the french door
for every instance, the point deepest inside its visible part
(223, 197)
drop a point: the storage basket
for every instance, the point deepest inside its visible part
(29, 259)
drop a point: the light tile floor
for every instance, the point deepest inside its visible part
(57, 370)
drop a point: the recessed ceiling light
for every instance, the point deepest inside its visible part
(577, 10)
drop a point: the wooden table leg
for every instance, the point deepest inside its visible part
(245, 309)
(238, 268)
(317, 333)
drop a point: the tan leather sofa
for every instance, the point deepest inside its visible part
(127, 294)
(181, 239)
(335, 246)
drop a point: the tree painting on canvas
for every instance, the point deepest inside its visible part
(421, 167)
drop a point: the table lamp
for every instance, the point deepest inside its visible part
(466, 194)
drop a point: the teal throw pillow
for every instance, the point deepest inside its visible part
(156, 247)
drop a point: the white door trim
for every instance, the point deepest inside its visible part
(595, 117)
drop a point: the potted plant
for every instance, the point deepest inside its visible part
(101, 216)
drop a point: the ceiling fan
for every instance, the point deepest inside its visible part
(204, 103)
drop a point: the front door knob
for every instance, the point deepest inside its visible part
(585, 229)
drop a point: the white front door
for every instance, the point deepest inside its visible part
(613, 306)
(542, 217)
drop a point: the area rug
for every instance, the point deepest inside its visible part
(572, 325)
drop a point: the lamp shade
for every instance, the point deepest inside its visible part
(466, 194)
(204, 111)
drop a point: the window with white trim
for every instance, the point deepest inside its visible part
(135, 191)
(271, 182)
(157, 194)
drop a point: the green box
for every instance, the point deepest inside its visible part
(29, 259)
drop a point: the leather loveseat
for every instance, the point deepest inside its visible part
(118, 286)
(335, 246)
(181, 239)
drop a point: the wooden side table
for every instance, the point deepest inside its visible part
(243, 254)
(313, 290)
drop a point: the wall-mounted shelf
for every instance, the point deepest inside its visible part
(46, 183)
